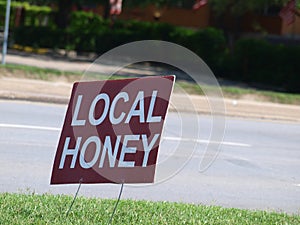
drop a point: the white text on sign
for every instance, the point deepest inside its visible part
(109, 109)
(109, 149)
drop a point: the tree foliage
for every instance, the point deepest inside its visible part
(240, 7)
(219, 7)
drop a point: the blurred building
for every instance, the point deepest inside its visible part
(267, 21)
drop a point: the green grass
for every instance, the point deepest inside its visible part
(48, 74)
(51, 209)
(191, 88)
(36, 72)
(245, 93)
(270, 96)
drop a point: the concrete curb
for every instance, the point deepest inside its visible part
(234, 108)
(12, 88)
(43, 98)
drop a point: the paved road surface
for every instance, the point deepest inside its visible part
(257, 168)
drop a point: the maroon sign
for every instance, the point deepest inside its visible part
(112, 131)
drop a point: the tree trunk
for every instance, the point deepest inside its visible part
(62, 18)
(106, 10)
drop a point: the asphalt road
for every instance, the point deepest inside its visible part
(257, 167)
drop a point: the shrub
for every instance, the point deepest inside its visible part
(35, 15)
(252, 60)
(83, 30)
(258, 61)
(210, 45)
(37, 37)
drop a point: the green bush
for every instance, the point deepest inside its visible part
(258, 61)
(210, 45)
(40, 37)
(251, 54)
(111, 38)
(252, 60)
(122, 32)
(35, 15)
(84, 29)
(290, 67)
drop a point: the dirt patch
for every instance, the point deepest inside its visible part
(61, 77)
(254, 97)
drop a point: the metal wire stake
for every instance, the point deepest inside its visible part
(74, 198)
(115, 209)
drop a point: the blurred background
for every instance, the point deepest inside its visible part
(252, 47)
(254, 41)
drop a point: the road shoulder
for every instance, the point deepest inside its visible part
(59, 92)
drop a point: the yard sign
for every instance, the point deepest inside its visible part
(112, 131)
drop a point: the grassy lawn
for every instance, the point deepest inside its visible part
(246, 93)
(51, 209)
(191, 88)
(36, 72)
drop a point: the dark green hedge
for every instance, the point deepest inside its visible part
(35, 15)
(89, 32)
(38, 37)
(251, 60)
(258, 61)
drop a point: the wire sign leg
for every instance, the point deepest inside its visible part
(74, 198)
(115, 208)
